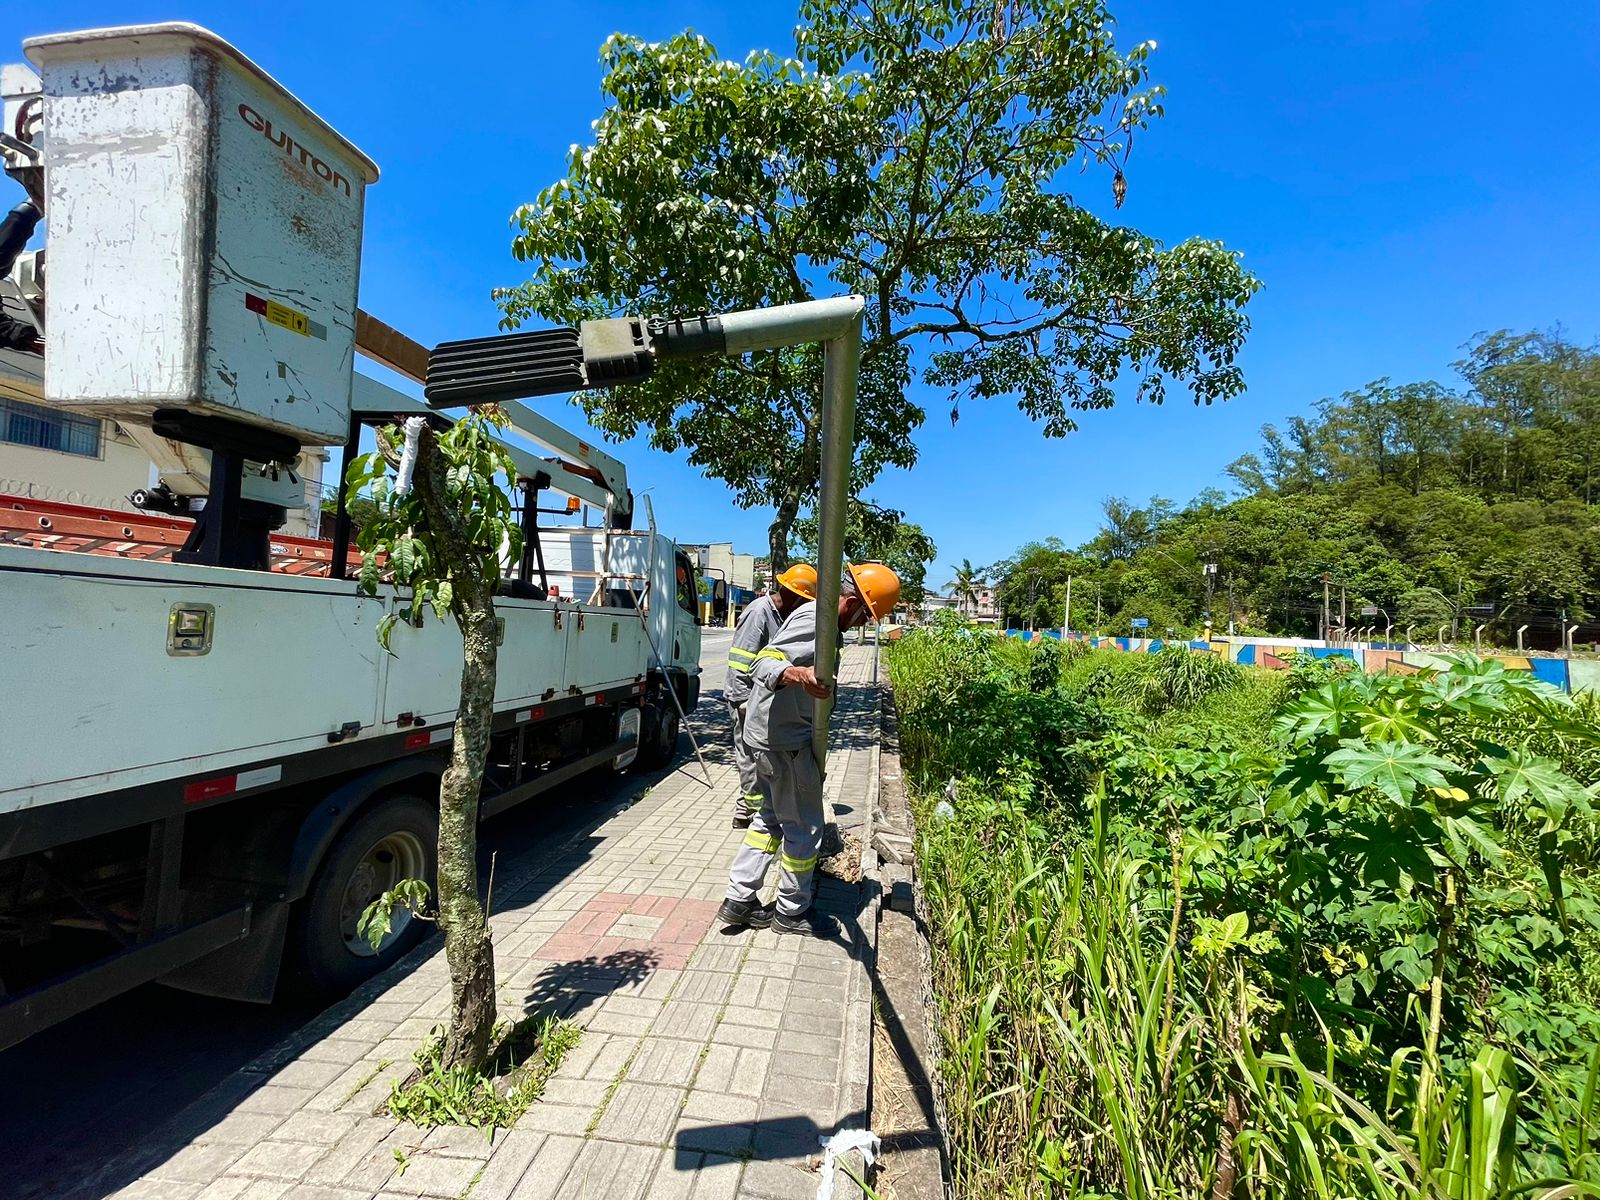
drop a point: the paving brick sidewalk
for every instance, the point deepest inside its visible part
(710, 1062)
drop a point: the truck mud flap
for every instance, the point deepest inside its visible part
(25, 1014)
(245, 970)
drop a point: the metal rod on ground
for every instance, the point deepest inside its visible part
(661, 663)
(683, 717)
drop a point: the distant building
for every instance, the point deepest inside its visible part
(725, 577)
(980, 609)
(719, 559)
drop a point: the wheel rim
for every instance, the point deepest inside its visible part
(391, 858)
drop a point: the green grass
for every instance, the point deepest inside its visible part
(1164, 969)
(527, 1056)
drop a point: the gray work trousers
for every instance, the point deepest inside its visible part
(744, 759)
(788, 828)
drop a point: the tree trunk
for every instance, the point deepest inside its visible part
(461, 917)
(778, 534)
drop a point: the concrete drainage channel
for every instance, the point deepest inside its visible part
(904, 1102)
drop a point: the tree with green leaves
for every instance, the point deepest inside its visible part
(918, 154)
(876, 534)
(963, 586)
(443, 539)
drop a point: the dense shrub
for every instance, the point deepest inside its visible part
(1204, 930)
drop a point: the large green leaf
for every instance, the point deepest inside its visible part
(1546, 791)
(1396, 769)
(1393, 719)
(403, 558)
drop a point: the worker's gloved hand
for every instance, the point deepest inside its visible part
(806, 677)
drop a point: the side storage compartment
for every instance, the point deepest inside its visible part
(121, 674)
(424, 676)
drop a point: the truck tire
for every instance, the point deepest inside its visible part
(395, 839)
(658, 736)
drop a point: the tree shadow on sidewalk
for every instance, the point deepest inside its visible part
(570, 989)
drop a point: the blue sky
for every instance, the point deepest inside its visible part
(1400, 175)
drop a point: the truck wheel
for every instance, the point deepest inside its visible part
(395, 840)
(658, 739)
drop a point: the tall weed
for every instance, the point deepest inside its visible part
(1343, 944)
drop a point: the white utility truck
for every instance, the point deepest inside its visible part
(208, 765)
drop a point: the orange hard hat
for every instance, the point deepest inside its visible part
(879, 587)
(801, 579)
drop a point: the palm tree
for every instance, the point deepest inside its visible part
(964, 587)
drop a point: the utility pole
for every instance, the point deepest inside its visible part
(1066, 614)
(1324, 608)
(1210, 571)
(1097, 608)
(1342, 617)
(1230, 605)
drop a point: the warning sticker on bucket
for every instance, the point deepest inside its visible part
(285, 317)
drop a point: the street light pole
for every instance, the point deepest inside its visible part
(1066, 614)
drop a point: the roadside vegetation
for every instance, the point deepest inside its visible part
(522, 1059)
(1205, 930)
(1441, 504)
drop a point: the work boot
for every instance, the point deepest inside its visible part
(810, 923)
(745, 914)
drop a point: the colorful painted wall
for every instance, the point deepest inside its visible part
(1570, 675)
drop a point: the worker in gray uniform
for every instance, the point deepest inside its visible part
(777, 729)
(757, 625)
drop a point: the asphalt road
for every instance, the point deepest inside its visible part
(89, 1088)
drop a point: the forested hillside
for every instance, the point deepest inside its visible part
(1454, 504)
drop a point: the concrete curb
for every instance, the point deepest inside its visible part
(856, 1092)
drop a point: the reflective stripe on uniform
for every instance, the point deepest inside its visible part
(767, 843)
(740, 666)
(769, 652)
(798, 866)
(735, 652)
